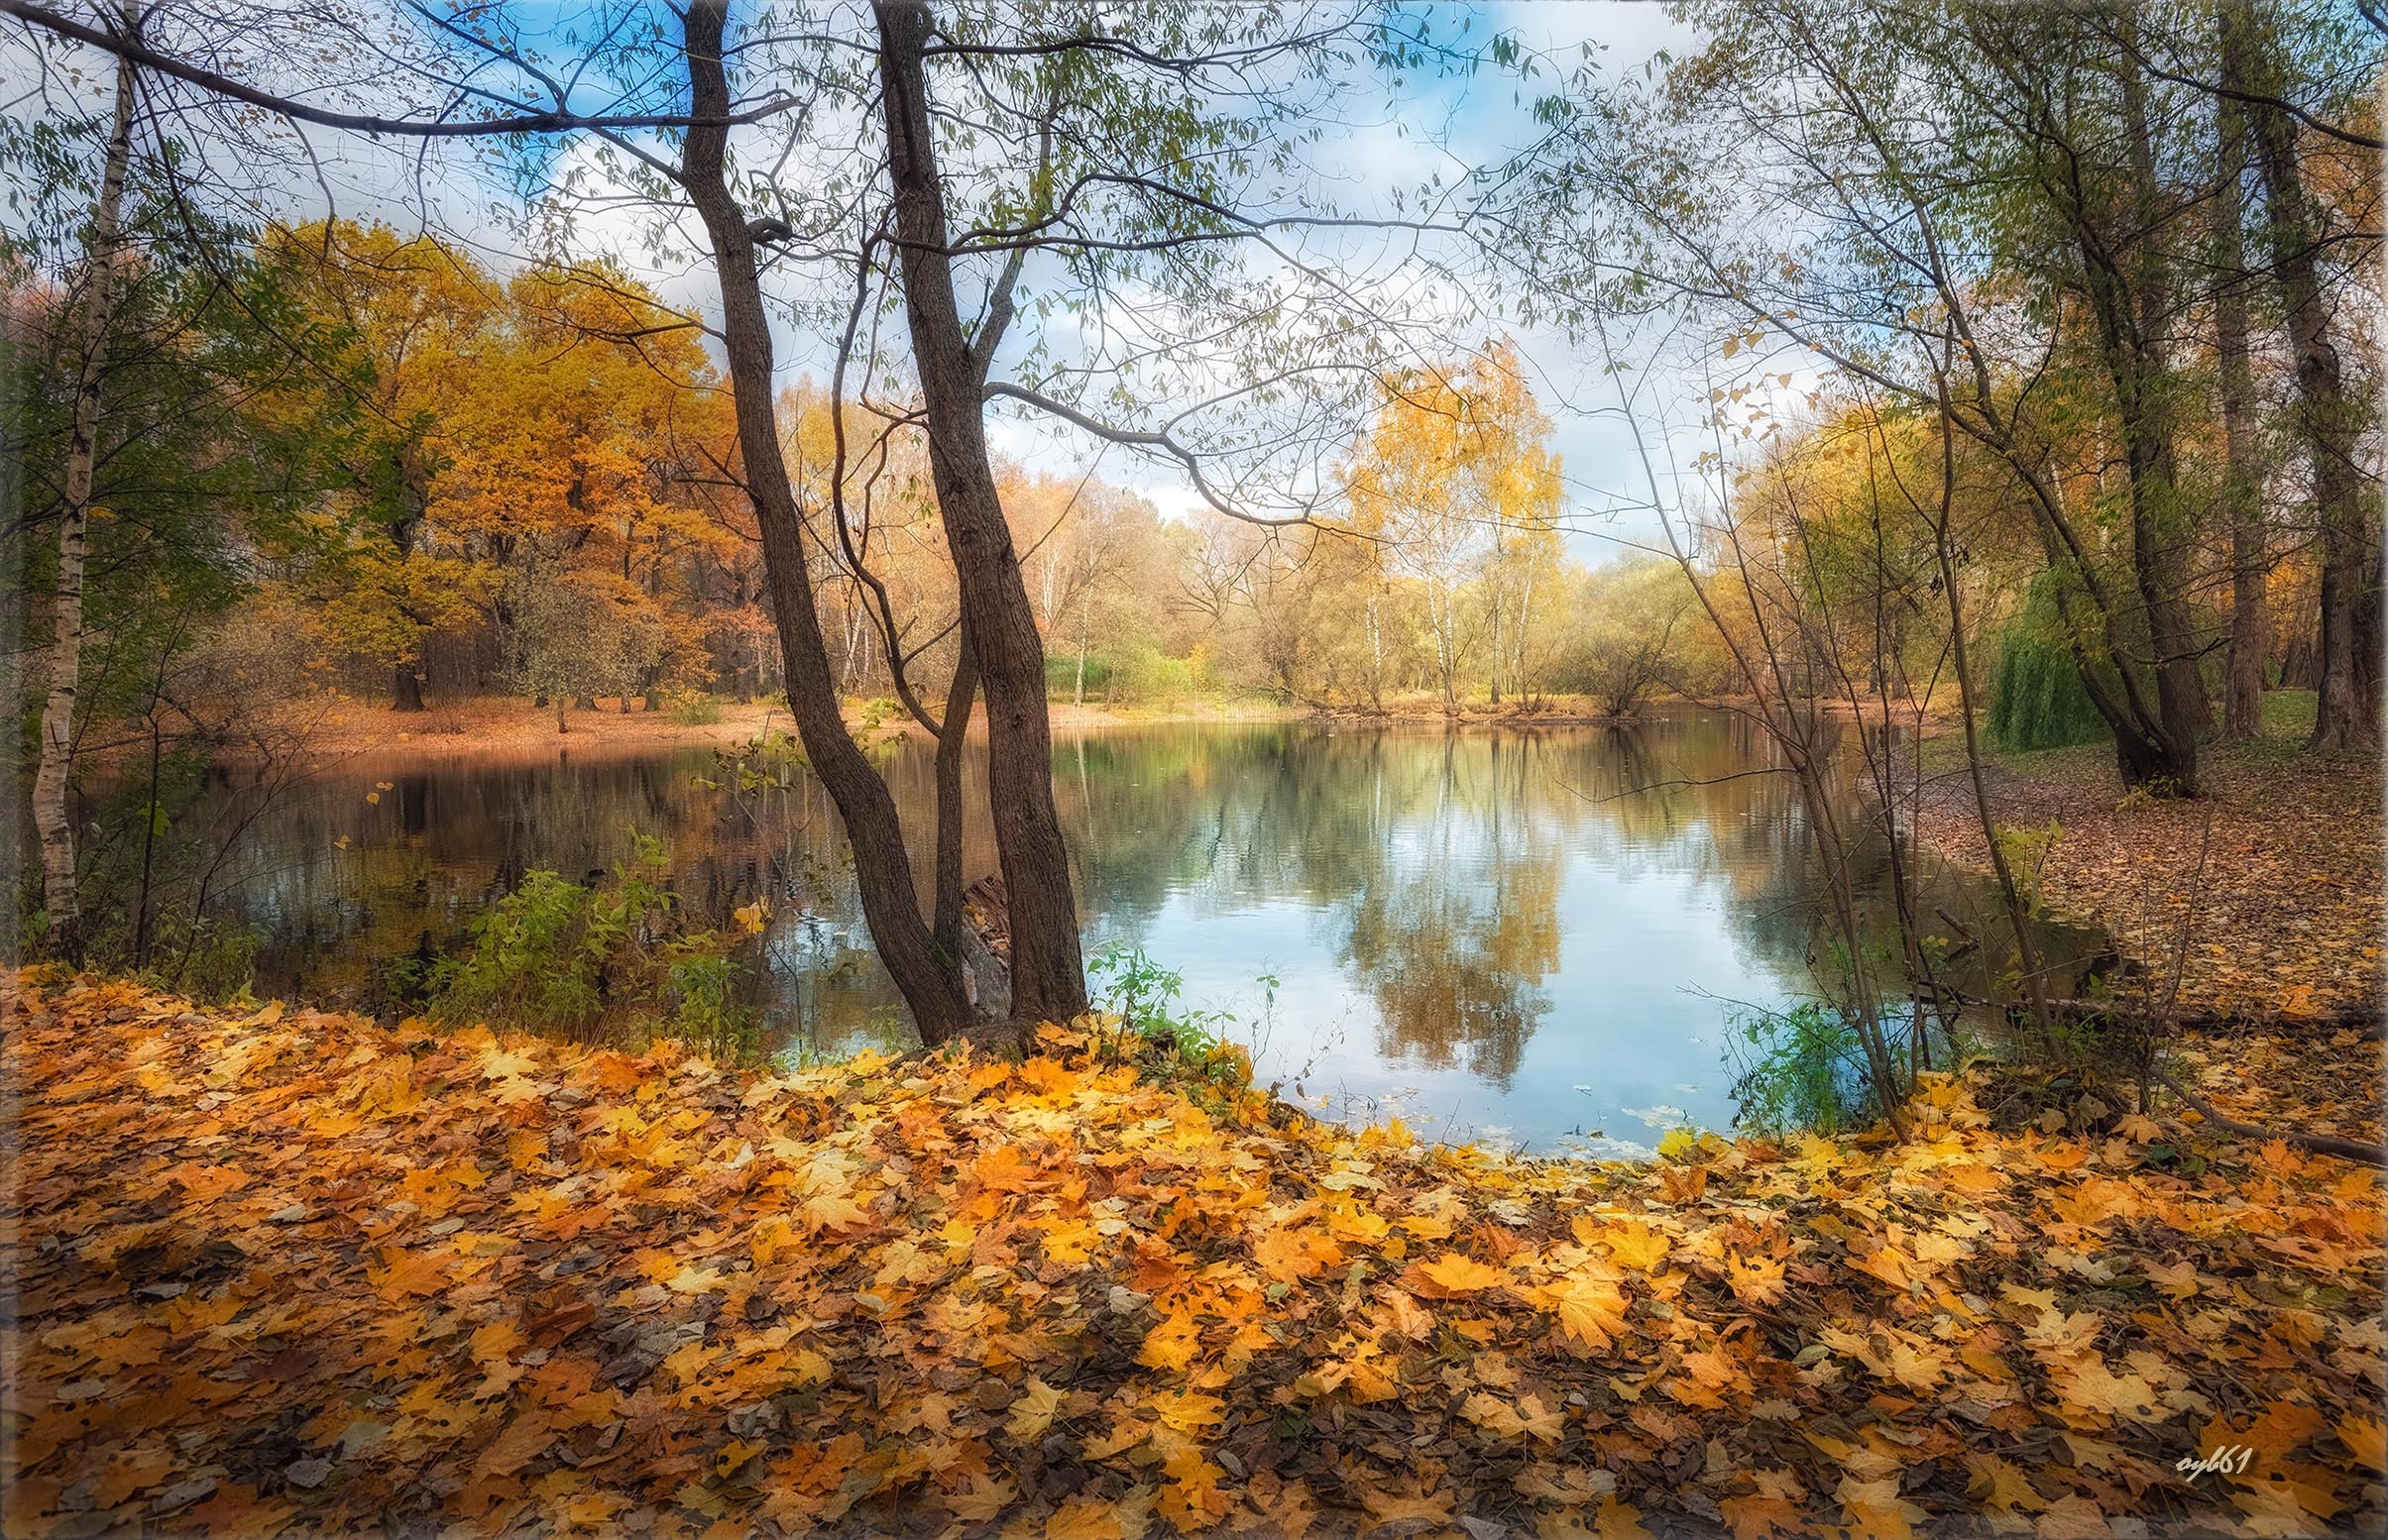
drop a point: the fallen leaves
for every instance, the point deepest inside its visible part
(2275, 909)
(290, 1272)
(1455, 1273)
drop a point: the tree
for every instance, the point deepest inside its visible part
(926, 973)
(103, 255)
(1626, 640)
(1153, 162)
(1049, 982)
(2327, 417)
(1456, 482)
(412, 315)
(167, 450)
(2242, 472)
(576, 636)
(1971, 208)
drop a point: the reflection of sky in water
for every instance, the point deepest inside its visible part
(1619, 1023)
(1624, 1046)
(1490, 935)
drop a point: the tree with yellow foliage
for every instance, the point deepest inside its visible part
(1457, 483)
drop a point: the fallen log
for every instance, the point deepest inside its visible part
(2191, 1019)
(2316, 1143)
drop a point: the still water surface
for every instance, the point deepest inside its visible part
(1532, 936)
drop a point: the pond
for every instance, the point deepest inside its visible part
(1540, 936)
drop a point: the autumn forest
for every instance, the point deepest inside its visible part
(1042, 768)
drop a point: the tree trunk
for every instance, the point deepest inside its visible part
(53, 824)
(1049, 982)
(1497, 583)
(2347, 709)
(407, 687)
(2127, 295)
(961, 698)
(2242, 472)
(1376, 650)
(2018, 914)
(929, 978)
(1085, 623)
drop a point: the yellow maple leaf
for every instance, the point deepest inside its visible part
(1408, 1317)
(2001, 1484)
(1756, 1281)
(1393, 1509)
(499, 1063)
(2366, 1438)
(2092, 1385)
(1590, 1310)
(1619, 1521)
(1756, 1516)
(693, 1280)
(1188, 1412)
(1528, 1417)
(1033, 1412)
(1635, 1246)
(1289, 1255)
(733, 1454)
(1460, 1274)
(1171, 1343)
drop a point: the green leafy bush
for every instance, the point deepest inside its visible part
(2026, 852)
(1144, 995)
(690, 707)
(588, 961)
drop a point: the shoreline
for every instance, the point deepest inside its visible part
(2265, 898)
(2261, 899)
(509, 729)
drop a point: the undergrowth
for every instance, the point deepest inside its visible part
(595, 961)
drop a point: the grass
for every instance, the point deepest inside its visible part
(2288, 720)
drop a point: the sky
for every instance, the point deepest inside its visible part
(1449, 123)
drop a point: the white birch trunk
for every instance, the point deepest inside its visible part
(51, 825)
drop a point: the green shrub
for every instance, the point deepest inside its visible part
(701, 990)
(1186, 1045)
(1134, 673)
(556, 956)
(1061, 673)
(2026, 852)
(210, 960)
(1143, 673)
(1805, 1069)
(690, 707)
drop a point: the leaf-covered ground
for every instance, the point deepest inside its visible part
(2263, 897)
(293, 1272)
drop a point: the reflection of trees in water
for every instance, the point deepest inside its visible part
(1455, 927)
(1433, 858)
(1433, 861)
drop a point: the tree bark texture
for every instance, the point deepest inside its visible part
(53, 826)
(1049, 982)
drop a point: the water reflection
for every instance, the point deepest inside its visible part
(1533, 931)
